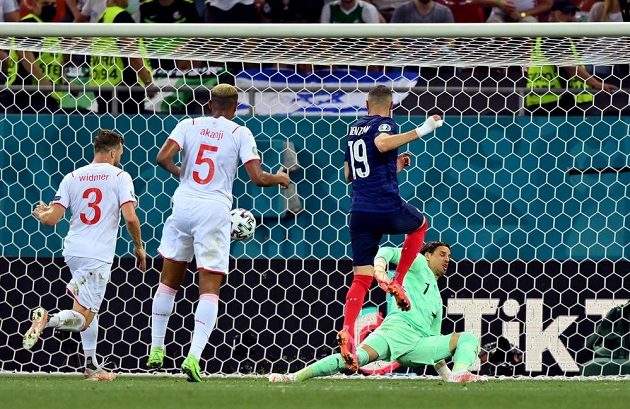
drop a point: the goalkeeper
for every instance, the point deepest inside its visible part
(412, 337)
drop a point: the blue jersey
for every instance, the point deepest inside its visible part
(374, 181)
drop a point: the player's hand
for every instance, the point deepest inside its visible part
(507, 6)
(434, 122)
(609, 88)
(40, 208)
(141, 258)
(403, 160)
(283, 177)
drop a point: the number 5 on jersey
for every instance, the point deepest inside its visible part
(358, 156)
(201, 160)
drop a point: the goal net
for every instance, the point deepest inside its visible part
(532, 196)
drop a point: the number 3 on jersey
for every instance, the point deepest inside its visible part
(358, 157)
(204, 160)
(98, 196)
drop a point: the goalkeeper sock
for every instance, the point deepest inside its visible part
(205, 317)
(161, 311)
(328, 366)
(67, 320)
(88, 341)
(465, 352)
(354, 300)
(411, 248)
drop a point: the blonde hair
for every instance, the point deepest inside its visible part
(224, 95)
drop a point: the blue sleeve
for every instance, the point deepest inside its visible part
(388, 126)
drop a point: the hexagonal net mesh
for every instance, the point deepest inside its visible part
(527, 180)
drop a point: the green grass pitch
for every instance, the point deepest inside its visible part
(233, 393)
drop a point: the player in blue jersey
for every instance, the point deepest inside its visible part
(371, 165)
(410, 338)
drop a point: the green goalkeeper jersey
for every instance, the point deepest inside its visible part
(421, 287)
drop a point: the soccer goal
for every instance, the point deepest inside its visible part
(527, 180)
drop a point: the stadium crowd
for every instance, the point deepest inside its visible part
(135, 72)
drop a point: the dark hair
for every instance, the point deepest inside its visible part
(432, 245)
(380, 94)
(106, 140)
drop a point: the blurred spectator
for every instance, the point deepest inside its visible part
(553, 98)
(524, 11)
(473, 11)
(349, 11)
(41, 68)
(91, 10)
(387, 7)
(422, 11)
(291, 11)
(232, 11)
(26, 6)
(625, 9)
(607, 10)
(171, 12)
(9, 11)
(108, 72)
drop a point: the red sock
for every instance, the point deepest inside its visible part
(354, 300)
(411, 248)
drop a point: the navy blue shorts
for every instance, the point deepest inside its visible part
(367, 230)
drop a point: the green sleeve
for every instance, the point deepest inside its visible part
(436, 325)
(390, 254)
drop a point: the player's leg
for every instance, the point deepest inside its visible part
(412, 222)
(211, 232)
(176, 248)
(465, 348)
(364, 243)
(431, 350)
(205, 320)
(374, 347)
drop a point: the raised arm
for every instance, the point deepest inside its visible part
(385, 142)
(264, 179)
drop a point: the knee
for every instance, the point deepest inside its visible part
(468, 338)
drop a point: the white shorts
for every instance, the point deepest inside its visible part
(199, 228)
(89, 281)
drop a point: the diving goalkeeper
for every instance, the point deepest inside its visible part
(411, 338)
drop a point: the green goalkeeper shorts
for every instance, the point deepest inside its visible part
(395, 340)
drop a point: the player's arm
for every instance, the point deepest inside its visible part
(133, 227)
(384, 256)
(264, 179)
(48, 215)
(165, 157)
(385, 142)
(346, 172)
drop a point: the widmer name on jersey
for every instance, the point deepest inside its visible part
(358, 130)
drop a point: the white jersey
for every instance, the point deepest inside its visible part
(211, 149)
(94, 195)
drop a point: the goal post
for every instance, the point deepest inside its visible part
(535, 207)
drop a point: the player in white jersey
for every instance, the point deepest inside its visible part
(200, 223)
(95, 194)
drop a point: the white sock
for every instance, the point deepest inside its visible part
(88, 340)
(162, 309)
(205, 318)
(67, 320)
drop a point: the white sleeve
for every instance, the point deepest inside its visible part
(325, 17)
(248, 150)
(370, 14)
(126, 193)
(179, 133)
(62, 197)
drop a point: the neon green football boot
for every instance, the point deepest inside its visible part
(191, 368)
(156, 358)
